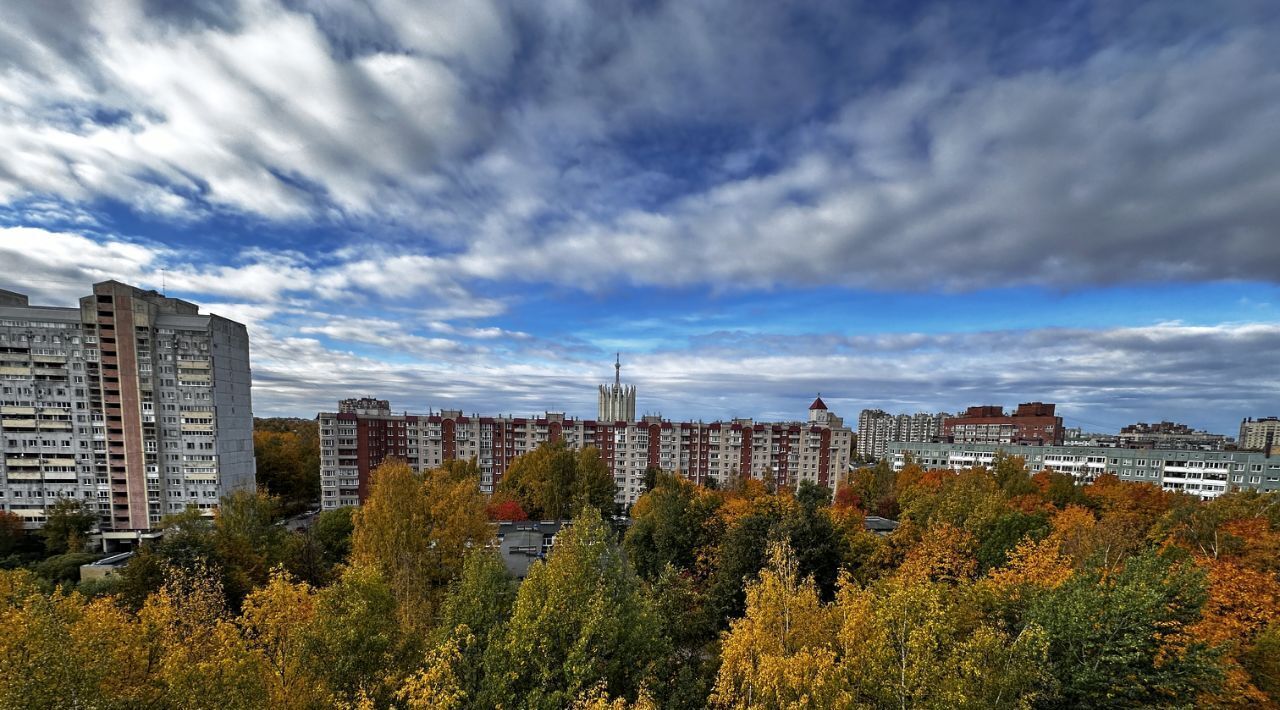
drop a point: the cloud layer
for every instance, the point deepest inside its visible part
(403, 184)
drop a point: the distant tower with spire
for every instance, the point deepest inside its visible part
(617, 403)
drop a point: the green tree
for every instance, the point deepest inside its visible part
(672, 524)
(1109, 635)
(64, 568)
(818, 546)
(11, 533)
(472, 618)
(354, 644)
(247, 540)
(579, 619)
(67, 526)
(998, 538)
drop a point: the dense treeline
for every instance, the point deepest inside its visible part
(288, 456)
(999, 589)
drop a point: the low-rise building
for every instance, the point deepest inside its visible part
(1206, 474)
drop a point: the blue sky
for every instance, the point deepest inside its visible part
(913, 206)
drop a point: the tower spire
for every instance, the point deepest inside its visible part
(617, 370)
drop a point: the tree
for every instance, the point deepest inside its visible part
(781, 653)
(354, 645)
(812, 534)
(201, 660)
(472, 618)
(553, 481)
(288, 457)
(505, 510)
(67, 526)
(579, 619)
(1004, 533)
(65, 568)
(1109, 635)
(11, 533)
(275, 620)
(675, 523)
(57, 650)
(908, 642)
(248, 541)
(415, 530)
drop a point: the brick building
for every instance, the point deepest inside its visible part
(365, 432)
(1032, 423)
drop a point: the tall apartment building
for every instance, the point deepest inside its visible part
(1206, 474)
(1258, 434)
(877, 429)
(1169, 435)
(364, 432)
(135, 403)
(1031, 423)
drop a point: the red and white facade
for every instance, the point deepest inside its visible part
(364, 432)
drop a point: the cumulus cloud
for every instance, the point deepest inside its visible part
(461, 156)
(673, 143)
(1102, 379)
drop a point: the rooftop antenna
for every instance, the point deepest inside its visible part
(162, 284)
(617, 370)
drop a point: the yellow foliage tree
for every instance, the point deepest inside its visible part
(944, 554)
(201, 660)
(415, 530)
(436, 685)
(1033, 563)
(275, 620)
(781, 653)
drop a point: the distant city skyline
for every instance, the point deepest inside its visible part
(911, 207)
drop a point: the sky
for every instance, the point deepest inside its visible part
(472, 204)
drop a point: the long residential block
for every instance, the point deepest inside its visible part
(365, 432)
(1207, 474)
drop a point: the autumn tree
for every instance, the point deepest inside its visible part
(355, 645)
(579, 619)
(1110, 635)
(275, 620)
(553, 481)
(781, 653)
(873, 486)
(415, 530)
(287, 452)
(201, 659)
(675, 523)
(910, 642)
(60, 650)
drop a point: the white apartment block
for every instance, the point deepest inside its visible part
(135, 403)
(1256, 433)
(1206, 474)
(877, 429)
